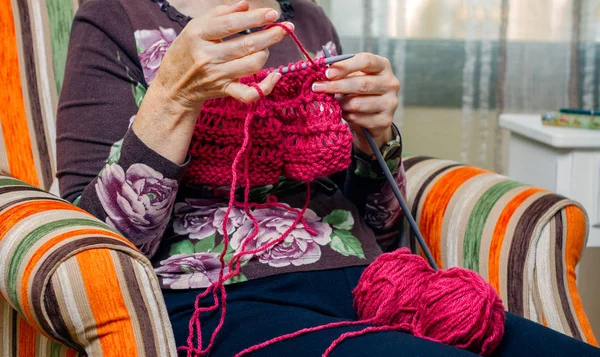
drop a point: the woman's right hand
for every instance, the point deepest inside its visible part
(200, 66)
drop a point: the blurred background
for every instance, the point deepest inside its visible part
(463, 62)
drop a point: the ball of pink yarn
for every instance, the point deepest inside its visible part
(461, 309)
(385, 293)
(456, 307)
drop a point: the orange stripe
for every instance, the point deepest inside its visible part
(576, 234)
(544, 322)
(13, 117)
(39, 253)
(113, 321)
(436, 202)
(16, 213)
(26, 342)
(500, 232)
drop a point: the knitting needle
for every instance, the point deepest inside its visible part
(392, 182)
(396, 190)
(328, 60)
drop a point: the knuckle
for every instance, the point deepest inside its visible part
(386, 62)
(247, 96)
(249, 45)
(355, 105)
(364, 87)
(396, 85)
(263, 55)
(255, 67)
(227, 24)
(370, 125)
(201, 61)
(367, 60)
(392, 103)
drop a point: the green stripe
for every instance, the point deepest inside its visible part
(55, 349)
(478, 218)
(60, 16)
(12, 182)
(31, 239)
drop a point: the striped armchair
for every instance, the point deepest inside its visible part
(524, 240)
(70, 285)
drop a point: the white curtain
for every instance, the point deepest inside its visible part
(463, 62)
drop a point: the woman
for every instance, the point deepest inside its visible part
(137, 76)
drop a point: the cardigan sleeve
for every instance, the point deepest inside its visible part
(103, 167)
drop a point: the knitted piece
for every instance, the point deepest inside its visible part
(295, 133)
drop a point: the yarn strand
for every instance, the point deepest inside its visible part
(298, 333)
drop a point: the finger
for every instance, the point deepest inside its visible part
(246, 45)
(375, 123)
(222, 10)
(365, 62)
(248, 94)
(363, 85)
(216, 28)
(372, 104)
(244, 66)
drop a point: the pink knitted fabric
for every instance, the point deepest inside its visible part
(295, 133)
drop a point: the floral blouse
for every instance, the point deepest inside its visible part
(115, 51)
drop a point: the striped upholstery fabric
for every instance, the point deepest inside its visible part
(71, 277)
(525, 241)
(34, 41)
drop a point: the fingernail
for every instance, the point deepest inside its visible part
(239, 3)
(276, 77)
(331, 73)
(271, 15)
(319, 87)
(290, 25)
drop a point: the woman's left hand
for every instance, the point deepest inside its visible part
(370, 99)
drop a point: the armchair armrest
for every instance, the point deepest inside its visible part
(524, 240)
(75, 280)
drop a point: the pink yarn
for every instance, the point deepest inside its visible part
(399, 291)
(299, 134)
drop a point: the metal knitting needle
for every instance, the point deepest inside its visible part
(411, 221)
(328, 60)
(392, 182)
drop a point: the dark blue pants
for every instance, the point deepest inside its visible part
(261, 309)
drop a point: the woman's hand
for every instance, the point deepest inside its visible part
(370, 98)
(199, 66)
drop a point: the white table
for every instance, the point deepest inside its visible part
(563, 160)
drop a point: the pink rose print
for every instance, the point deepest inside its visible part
(201, 218)
(190, 271)
(331, 47)
(299, 248)
(152, 46)
(137, 203)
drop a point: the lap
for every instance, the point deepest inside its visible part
(255, 322)
(263, 309)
